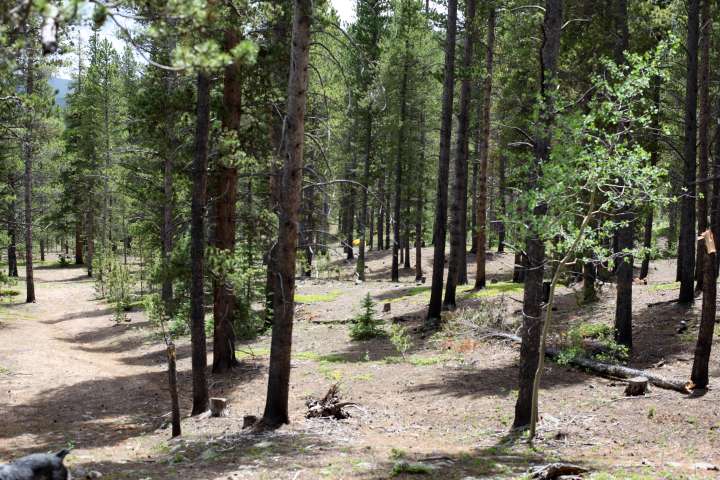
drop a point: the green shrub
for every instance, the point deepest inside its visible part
(366, 326)
(599, 335)
(400, 338)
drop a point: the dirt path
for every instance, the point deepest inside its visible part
(72, 375)
(69, 375)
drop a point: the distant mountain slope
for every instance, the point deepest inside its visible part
(62, 87)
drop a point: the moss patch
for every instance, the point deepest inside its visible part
(661, 287)
(492, 290)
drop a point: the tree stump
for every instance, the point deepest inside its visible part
(218, 407)
(636, 386)
(386, 307)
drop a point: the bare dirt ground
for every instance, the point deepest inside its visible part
(69, 375)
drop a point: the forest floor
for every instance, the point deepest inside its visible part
(70, 375)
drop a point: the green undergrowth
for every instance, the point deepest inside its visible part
(661, 287)
(317, 297)
(464, 291)
(593, 340)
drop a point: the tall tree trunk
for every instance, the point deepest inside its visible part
(624, 234)
(12, 230)
(395, 272)
(276, 406)
(703, 136)
(440, 225)
(535, 246)
(28, 180)
(225, 200)
(381, 211)
(366, 185)
(458, 214)
(503, 205)
(78, 242)
(484, 144)
(197, 247)
(715, 199)
(474, 196)
(701, 362)
(686, 257)
(654, 157)
(166, 227)
(406, 241)
(420, 206)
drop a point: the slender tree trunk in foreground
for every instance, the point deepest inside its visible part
(535, 246)
(549, 312)
(686, 249)
(276, 406)
(715, 199)
(197, 247)
(440, 225)
(225, 200)
(707, 320)
(481, 212)
(458, 217)
(503, 208)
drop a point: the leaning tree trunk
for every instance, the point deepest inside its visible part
(686, 249)
(224, 238)
(484, 145)
(197, 247)
(276, 406)
(458, 217)
(28, 158)
(440, 225)
(535, 246)
(703, 137)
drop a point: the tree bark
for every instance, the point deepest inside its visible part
(458, 213)
(624, 234)
(395, 272)
(440, 225)
(686, 250)
(654, 157)
(28, 179)
(225, 200)
(78, 242)
(172, 384)
(715, 199)
(535, 247)
(703, 136)
(701, 362)
(12, 230)
(276, 406)
(381, 212)
(484, 145)
(197, 247)
(503, 207)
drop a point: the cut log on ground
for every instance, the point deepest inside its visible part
(218, 407)
(329, 406)
(556, 470)
(636, 386)
(606, 369)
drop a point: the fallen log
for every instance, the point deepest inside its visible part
(557, 470)
(329, 406)
(604, 368)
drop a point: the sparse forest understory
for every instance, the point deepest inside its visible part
(453, 240)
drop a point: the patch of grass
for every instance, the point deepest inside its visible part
(250, 353)
(419, 361)
(317, 297)
(329, 373)
(492, 290)
(411, 292)
(662, 287)
(411, 468)
(9, 293)
(4, 371)
(316, 357)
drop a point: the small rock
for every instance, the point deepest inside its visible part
(264, 444)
